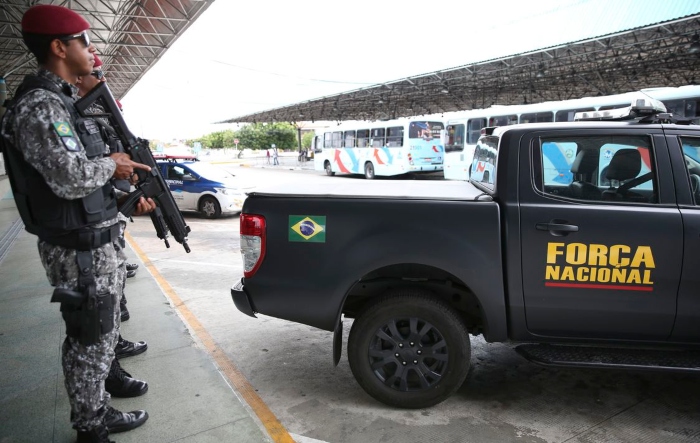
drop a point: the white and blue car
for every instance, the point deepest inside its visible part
(202, 187)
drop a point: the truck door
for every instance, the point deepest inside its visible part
(602, 246)
(685, 158)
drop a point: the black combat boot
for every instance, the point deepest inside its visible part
(120, 384)
(117, 421)
(126, 348)
(131, 266)
(96, 435)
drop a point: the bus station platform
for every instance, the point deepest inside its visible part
(188, 399)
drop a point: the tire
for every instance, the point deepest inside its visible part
(409, 350)
(209, 207)
(369, 171)
(329, 171)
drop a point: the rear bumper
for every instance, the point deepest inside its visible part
(241, 298)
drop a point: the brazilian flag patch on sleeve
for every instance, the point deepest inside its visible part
(307, 228)
(63, 129)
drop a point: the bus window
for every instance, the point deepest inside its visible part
(362, 138)
(317, 144)
(377, 137)
(537, 117)
(336, 139)
(436, 129)
(475, 125)
(394, 136)
(455, 138)
(349, 139)
(327, 140)
(567, 115)
(503, 120)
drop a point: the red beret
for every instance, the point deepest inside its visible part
(98, 62)
(53, 20)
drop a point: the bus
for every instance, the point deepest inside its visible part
(463, 129)
(383, 148)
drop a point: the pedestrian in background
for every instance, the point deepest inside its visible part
(61, 182)
(275, 160)
(267, 152)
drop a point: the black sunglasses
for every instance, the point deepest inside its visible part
(98, 74)
(83, 36)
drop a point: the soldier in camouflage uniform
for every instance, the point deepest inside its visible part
(62, 192)
(119, 383)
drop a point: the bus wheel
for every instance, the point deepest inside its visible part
(369, 171)
(209, 207)
(327, 167)
(409, 350)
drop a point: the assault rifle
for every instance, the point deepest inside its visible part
(166, 217)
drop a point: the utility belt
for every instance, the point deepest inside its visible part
(87, 314)
(85, 239)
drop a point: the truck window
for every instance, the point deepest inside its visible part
(691, 152)
(601, 169)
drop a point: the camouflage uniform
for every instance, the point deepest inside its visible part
(97, 110)
(70, 175)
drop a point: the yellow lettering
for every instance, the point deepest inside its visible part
(619, 275)
(594, 274)
(568, 274)
(615, 259)
(647, 278)
(553, 249)
(551, 273)
(603, 275)
(576, 253)
(643, 256)
(597, 255)
(582, 274)
(634, 276)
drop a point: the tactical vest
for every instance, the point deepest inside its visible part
(53, 219)
(109, 135)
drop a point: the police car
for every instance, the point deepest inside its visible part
(201, 187)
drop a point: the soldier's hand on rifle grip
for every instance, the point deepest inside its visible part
(126, 166)
(144, 206)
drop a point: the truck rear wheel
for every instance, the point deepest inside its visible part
(409, 350)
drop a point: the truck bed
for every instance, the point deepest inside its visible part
(397, 189)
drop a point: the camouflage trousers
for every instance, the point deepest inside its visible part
(122, 228)
(85, 368)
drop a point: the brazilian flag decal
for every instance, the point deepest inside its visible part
(307, 228)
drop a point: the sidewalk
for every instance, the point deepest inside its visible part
(188, 400)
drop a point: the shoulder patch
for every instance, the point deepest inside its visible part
(70, 144)
(63, 129)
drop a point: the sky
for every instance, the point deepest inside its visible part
(241, 56)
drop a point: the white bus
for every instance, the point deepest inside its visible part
(382, 148)
(463, 129)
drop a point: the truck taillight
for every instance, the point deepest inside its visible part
(252, 242)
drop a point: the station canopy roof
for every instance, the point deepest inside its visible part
(662, 54)
(130, 35)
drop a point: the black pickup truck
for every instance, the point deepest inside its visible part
(596, 266)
